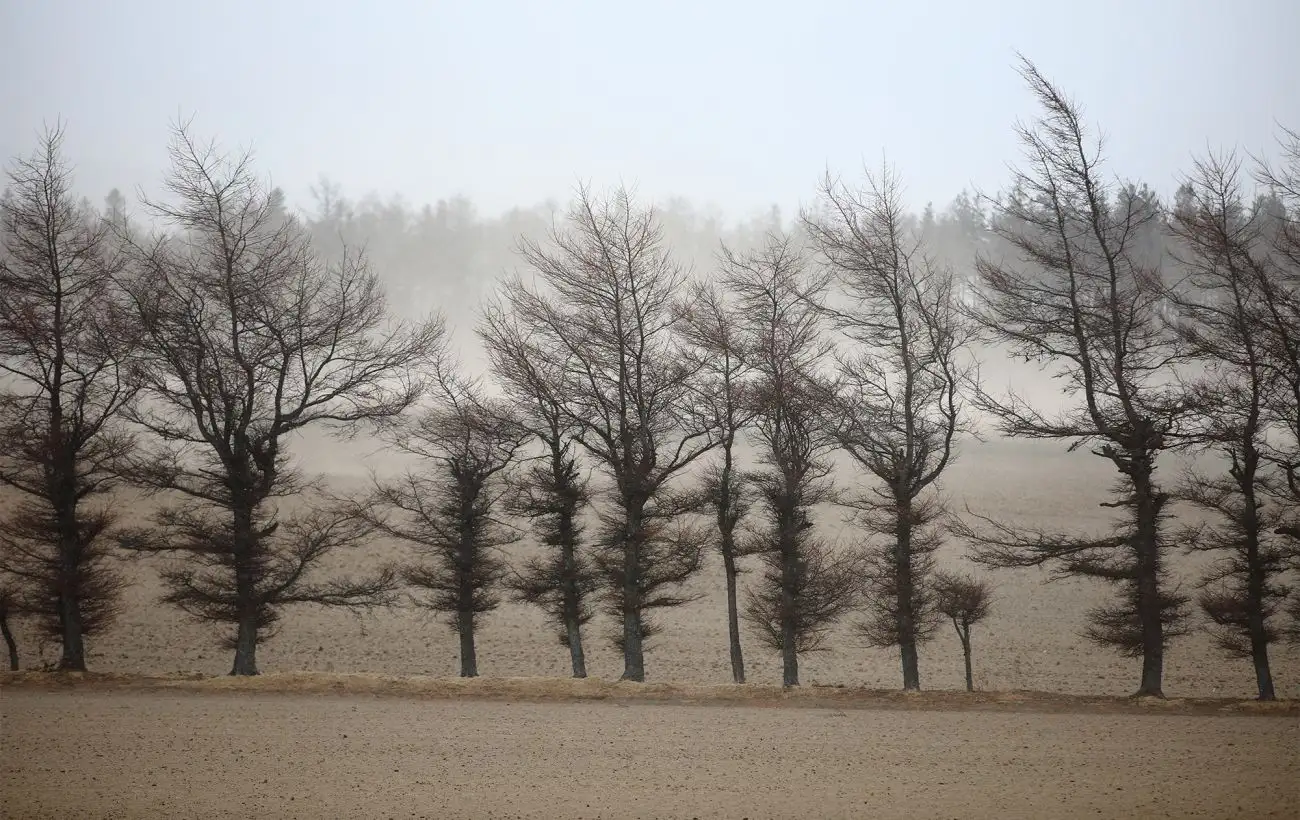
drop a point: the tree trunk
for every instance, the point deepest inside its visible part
(1263, 675)
(1256, 579)
(789, 633)
(10, 643)
(246, 646)
(73, 658)
(964, 632)
(633, 651)
(733, 615)
(904, 603)
(468, 657)
(573, 633)
(1146, 545)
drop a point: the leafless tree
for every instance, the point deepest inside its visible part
(1280, 333)
(965, 601)
(64, 350)
(552, 491)
(1224, 318)
(1082, 298)
(805, 587)
(450, 512)
(900, 404)
(249, 338)
(604, 307)
(714, 331)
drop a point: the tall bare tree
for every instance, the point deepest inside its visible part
(64, 350)
(249, 338)
(605, 309)
(900, 403)
(1222, 310)
(714, 331)
(1083, 298)
(805, 587)
(450, 511)
(552, 492)
(965, 601)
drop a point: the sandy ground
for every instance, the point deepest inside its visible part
(1032, 640)
(129, 754)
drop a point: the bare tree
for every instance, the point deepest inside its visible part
(804, 588)
(605, 309)
(1081, 297)
(249, 338)
(1223, 318)
(714, 331)
(63, 354)
(965, 601)
(899, 406)
(450, 511)
(552, 492)
(1279, 334)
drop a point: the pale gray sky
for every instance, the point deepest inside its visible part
(739, 104)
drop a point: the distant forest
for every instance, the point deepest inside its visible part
(631, 387)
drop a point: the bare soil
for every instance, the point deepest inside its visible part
(172, 748)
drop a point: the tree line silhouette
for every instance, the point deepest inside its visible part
(620, 386)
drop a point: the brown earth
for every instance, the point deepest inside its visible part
(126, 748)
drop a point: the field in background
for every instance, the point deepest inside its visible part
(1031, 642)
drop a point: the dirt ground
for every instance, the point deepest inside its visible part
(95, 753)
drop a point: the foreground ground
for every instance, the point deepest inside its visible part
(206, 750)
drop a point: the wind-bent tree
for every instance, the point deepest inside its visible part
(449, 512)
(805, 588)
(713, 329)
(605, 309)
(1222, 310)
(1079, 295)
(551, 492)
(64, 351)
(249, 337)
(965, 601)
(899, 404)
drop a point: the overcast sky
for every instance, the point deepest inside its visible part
(738, 104)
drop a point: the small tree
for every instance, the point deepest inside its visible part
(604, 308)
(552, 492)
(1082, 294)
(965, 601)
(899, 406)
(449, 513)
(248, 338)
(1223, 318)
(804, 588)
(63, 357)
(714, 331)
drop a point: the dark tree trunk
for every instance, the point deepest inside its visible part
(246, 646)
(1256, 579)
(789, 628)
(10, 643)
(633, 649)
(573, 631)
(247, 605)
(964, 632)
(468, 656)
(905, 603)
(73, 658)
(733, 615)
(1146, 544)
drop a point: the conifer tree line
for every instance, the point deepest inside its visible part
(638, 415)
